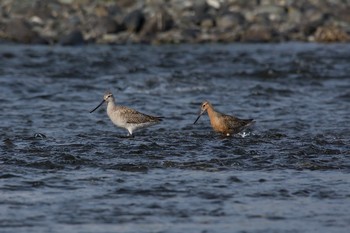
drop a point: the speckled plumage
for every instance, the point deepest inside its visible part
(223, 123)
(125, 117)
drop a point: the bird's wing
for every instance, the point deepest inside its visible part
(134, 117)
(236, 124)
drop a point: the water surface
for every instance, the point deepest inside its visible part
(63, 169)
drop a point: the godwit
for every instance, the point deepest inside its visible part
(125, 117)
(222, 123)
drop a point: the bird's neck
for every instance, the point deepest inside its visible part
(211, 112)
(110, 106)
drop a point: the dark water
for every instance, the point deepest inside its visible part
(65, 170)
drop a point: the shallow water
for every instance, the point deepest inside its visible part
(63, 169)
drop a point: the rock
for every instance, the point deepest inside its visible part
(39, 135)
(331, 34)
(311, 21)
(120, 38)
(207, 23)
(191, 35)
(36, 20)
(75, 37)
(200, 9)
(272, 11)
(228, 36)
(39, 8)
(19, 30)
(294, 15)
(159, 21)
(343, 14)
(258, 34)
(101, 11)
(164, 21)
(214, 3)
(66, 1)
(134, 21)
(126, 3)
(109, 25)
(150, 29)
(230, 21)
(173, 37)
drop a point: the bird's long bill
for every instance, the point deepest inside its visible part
(199, 115)
(197, 119)
(97, 106)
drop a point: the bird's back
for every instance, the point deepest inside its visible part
(132, 116)
(233, 125)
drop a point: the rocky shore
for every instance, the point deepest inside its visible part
(73, 22)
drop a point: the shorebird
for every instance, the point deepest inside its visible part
(222, 123)
(125, 117)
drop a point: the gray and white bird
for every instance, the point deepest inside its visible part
(125, 117)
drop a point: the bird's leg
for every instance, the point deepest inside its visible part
(130, 135)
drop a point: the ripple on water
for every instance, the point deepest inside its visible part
(64, 168)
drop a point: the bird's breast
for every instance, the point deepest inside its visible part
(218, 124)
(116, 118)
